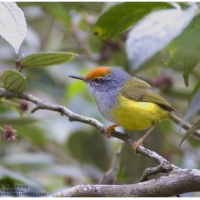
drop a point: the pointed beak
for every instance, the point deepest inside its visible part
(78, 77)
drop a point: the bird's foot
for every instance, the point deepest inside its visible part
(137, 144)
(108, 131)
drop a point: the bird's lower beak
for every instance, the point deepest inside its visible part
(78, 77)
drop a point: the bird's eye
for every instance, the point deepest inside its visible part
(97, 80)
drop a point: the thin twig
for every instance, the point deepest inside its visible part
(9, 102)
(110, 174)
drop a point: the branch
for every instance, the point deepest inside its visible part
(162, 168)
(41, 105)
(109, 175)
(182, 181)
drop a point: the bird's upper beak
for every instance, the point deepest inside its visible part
(83, 78)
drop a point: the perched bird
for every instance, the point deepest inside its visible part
(128, 101)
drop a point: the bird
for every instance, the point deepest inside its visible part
(128, 102)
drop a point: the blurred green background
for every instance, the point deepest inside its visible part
(50, 152)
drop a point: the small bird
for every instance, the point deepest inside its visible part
(128, 101)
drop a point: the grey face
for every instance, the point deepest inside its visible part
(108, 84)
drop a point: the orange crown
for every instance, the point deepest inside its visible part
(98, 72)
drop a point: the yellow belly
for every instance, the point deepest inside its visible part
(133, 115)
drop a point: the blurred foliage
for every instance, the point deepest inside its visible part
(50, 152)
(186, 48)
(121, 16)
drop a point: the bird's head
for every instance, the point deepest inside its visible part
(104, 79)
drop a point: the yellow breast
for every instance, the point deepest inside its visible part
(133, 115)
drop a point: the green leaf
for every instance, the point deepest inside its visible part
(89, 147)
(58, 11)
(186, 48)
(14, 81)
(191, 130)
(121, 16)
(186, 76)
(18, 122)
(45, 59)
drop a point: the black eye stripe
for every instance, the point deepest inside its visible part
(97, 80)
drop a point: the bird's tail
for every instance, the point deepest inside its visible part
(184, 125)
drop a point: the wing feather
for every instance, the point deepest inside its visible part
(141, 91)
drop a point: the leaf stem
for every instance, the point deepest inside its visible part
(9, 102)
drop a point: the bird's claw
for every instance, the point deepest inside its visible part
(137, 144)
(107, 132)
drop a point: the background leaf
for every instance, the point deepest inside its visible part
(12, 24)
(186, 47)
(45, 59)
(192, 129)
(154, 32)
(121, 16)
(80, 143)
(14, 81)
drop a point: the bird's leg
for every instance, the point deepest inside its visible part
(108, 130)
(140, 141)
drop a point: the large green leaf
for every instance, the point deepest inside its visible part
(89, 147)
(186, 48)
(14, 81)
(45, 59)
(121, 16)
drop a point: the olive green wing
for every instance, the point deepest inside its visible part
(152, 96)
(141, 91)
